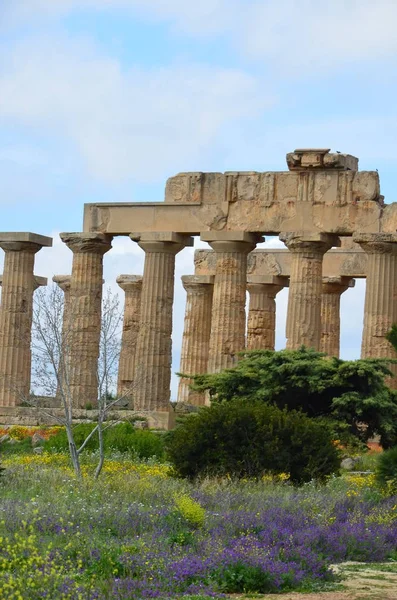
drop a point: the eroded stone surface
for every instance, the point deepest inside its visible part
(151, 389)
(304, 300)
(16, 313)
(196, 334)
(132, 286)
(228, 306)
(380, 309)
(82, 332)
(261, 325)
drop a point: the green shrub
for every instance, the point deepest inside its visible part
(243, 439)
(386, 470)
(59, 442)
(121, 437)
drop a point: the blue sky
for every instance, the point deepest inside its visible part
(102, 100)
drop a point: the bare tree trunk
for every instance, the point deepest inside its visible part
(101, 449)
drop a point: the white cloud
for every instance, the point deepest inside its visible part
(308, 34)
(305, 34)
(139, 124)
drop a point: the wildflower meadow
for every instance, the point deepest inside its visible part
(140, 532)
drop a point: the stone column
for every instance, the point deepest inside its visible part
(153, 350)
(305, 286)
(228, 307)
(332, 289)
(380, 309)
(84, 328)
(261, 329)
(63, 282)
(132, 286)
(16, 313)
(196, 334)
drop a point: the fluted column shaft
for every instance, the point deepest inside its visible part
(132, 286)
(63, 282)
(228, 305)
(16, 315)
(83, 330)
(196, 334)
(332, 289)
(380, 309)
(261, 326)
(304, 301)
(154, 346)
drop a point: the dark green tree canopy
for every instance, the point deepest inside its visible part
(352, 392)
(249, 439)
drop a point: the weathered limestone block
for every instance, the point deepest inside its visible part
(304, 300)
(348, 261)
(16, 314)
(323, 193)
(196, 334)
(228, 306)
(153, 350)
(261, 329)
(82, 332)
(380, 309)
(320, 158)
(333, 288)
(132, 286)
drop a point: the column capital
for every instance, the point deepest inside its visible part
(337, 285)
(130, 282)
(79, 243)
(168, 242)
(232, 241)
(194, 282)
(23, 241)
(39, 281)
(63, 281)
(377, 243)
(279, 280)
(301, 241)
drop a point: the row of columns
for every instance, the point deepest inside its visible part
(215, 310)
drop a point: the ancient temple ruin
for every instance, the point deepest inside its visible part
(331, 217)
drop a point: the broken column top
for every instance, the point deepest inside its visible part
(320, 158)
(25, 236)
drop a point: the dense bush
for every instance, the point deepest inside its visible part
(121, 437)
(243, 439)
(352, 392)
(386, 470)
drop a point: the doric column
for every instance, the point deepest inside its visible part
(16, 313)
(305, 286)
(132, 286)
(380, 309)
(153, 366)
(196, 334)
(84, 328)
(261, 328)
(63, 282)
(332, 289)
(228, 306)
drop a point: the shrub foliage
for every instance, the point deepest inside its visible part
(351, 392)
(121, 437)
(250, 439)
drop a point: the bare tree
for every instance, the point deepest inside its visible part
(52, 359)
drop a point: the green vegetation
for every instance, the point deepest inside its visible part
(352, 394)
(121, 437)
(243, 439)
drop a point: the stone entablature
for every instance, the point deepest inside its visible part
(325, 195)
(346, 262)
